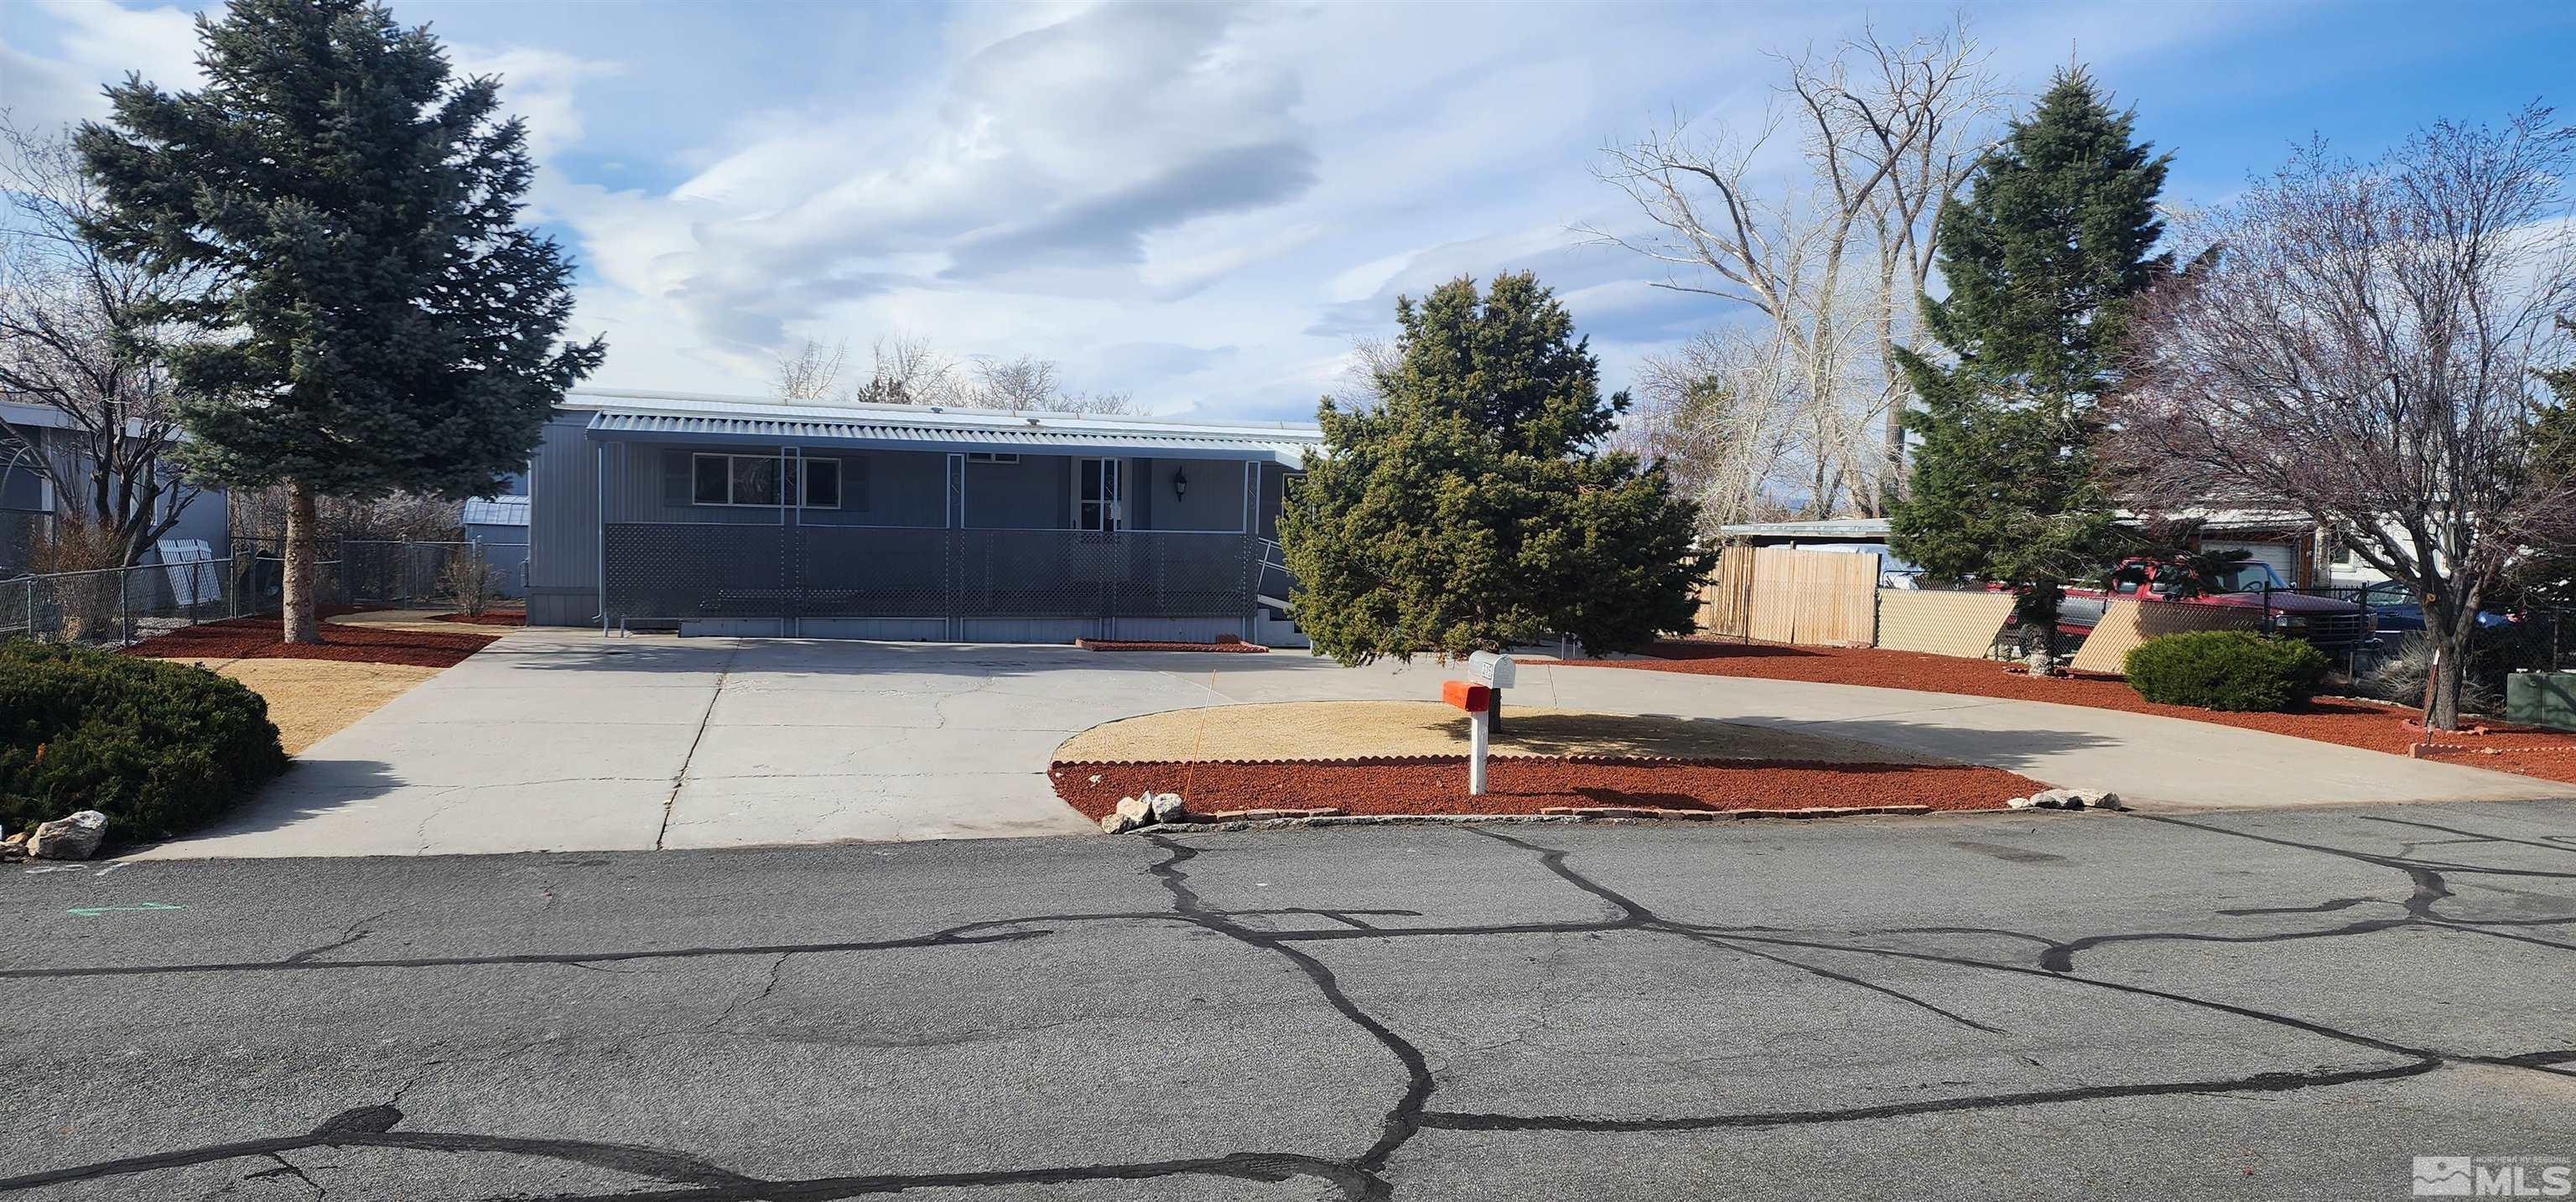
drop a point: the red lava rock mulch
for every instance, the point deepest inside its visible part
(488, 618)
(261, 638)
(1238, 648)
(2550, 755)
(1530, 784)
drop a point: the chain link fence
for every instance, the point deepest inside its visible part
(124, 606)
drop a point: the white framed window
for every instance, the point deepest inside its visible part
(1098, 494)
(754, 481)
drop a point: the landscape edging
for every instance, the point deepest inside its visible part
(1604, 815)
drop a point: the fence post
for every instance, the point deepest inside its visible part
(124, 608)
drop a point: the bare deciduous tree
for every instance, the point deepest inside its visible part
(259, 515)
(1724, 412)
(812, 372)
(1027, 382)
(1834, 253)
(1097, 404)
(73, 339)
(906, 369)
(909, 371)
(1361, 385)
(2361, 347)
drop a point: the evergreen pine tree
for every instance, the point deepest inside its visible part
(1474, 507)
(2547, 573)
(2040, 259)
(381, 321)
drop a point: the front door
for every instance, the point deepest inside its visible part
(1097, 494)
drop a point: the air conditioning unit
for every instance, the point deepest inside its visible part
(2541, 699)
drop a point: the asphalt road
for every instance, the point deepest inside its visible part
(2224, 1005)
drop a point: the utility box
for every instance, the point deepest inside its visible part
(2541, 699)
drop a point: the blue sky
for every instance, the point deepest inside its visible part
(1203, 204)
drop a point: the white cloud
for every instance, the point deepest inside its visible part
(96, 45)
(537, 86)
(1201, 203)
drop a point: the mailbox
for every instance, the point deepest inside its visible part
(1468, 696)
(1495, 670)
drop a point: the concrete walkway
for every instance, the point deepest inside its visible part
(559, 740)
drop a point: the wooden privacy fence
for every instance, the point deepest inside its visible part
(1832, 599)
(1775, 595)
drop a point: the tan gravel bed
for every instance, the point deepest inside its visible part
(1324, 730)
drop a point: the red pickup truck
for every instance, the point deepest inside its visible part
(2324, 621)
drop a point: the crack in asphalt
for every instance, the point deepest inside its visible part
(1365, 1174)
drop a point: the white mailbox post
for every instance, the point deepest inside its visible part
(1496, 672)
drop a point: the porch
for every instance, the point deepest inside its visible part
(884, 529)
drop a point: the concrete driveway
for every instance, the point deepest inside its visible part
(558, 740)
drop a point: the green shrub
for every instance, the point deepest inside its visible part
(161, 748)
(2226, 670)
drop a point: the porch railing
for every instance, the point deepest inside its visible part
(676, 571)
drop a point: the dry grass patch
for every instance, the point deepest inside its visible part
(311, 699)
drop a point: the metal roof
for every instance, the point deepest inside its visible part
(926, 428)
(497, 511)
(1825, 528)
(2214, 521)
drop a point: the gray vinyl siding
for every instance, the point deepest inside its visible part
(1214, 500)
(1029, 495)
(563, 526)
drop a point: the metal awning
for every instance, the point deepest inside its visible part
(497, 511)
(971, 432)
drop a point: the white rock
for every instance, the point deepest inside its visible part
(1115, 823)
(1166, 807)
(1136, 810)
(72, 838)
(2019, 803)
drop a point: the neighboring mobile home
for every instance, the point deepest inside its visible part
(29, 506)
(722, 515)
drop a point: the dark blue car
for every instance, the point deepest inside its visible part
(2398, 611)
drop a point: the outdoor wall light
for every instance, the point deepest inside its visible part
(1180, 484)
